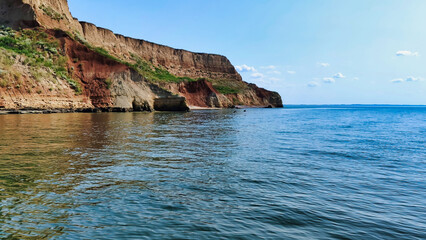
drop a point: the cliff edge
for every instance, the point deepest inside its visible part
(112, 71)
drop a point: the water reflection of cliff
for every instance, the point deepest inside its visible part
(54, 168)
(44, 156)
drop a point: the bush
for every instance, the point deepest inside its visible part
(4, 83)
(108, 83)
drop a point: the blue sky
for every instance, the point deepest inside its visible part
(311, 52)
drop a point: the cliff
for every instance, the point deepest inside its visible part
(138, 72)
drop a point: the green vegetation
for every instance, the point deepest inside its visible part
(77, 37)
(104, 53)
(3, 81)
(51, 13)
(226, 89)
(108, 83)
(40, 52)
(156, 74)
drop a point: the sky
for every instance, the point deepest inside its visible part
(311, 52)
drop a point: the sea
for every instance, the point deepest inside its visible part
(301, 172)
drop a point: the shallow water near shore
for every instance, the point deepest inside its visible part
(350, 172)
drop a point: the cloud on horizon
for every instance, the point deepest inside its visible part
(413, 79)
(291, 72)
(397, 80)
(408, 79)
(245, 68)
(406, 53)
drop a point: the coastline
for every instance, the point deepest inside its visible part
(100, 110)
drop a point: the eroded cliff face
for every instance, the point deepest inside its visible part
(20, 89)
(93, 69)
(32, 81)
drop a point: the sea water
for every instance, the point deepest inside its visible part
(304, 172)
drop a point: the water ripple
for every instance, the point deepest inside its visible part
(300, 173)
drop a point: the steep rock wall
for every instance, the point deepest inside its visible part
(105, 84)
(113, 85)
(55, 14)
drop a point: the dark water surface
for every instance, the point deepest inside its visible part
(299, 173)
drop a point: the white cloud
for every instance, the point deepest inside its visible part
(339, 75)
(324, 64)
(397, 80)
(291, 72)
(413, 79)
(313, 84)
(271, 67)
(328, 80)
(356, 78)
(406, 53)
(408, 79)
(257, 75)
(245, 68)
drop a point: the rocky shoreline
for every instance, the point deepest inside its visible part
(50, 111)
(105, 110)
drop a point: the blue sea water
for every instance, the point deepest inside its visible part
(303, 172)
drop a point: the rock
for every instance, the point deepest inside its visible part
(108, 83)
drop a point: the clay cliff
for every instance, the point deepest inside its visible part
(113, 72)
